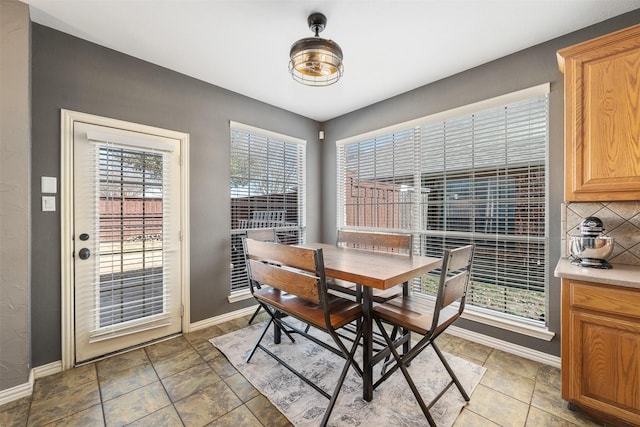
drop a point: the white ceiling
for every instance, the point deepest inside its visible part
(390, 46)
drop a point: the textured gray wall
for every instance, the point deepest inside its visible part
(74, 74)
(14, 194)
(521, 70)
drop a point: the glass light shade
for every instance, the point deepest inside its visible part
(316, 61)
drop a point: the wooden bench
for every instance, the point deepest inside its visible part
(295, 285)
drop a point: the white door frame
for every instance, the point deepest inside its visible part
(67, 119)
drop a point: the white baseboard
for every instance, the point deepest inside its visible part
(507, 347)
(202, 324)
(26, 389)
(17, 392)
(46, 370)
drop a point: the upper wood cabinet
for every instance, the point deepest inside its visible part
(602, 117)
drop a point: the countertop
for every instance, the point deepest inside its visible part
(620, 274)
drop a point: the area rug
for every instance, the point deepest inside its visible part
(393, 403)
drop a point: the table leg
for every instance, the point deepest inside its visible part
(367, 343)
(277, 334)
(407, 345)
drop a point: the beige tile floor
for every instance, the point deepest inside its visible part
(186, 381)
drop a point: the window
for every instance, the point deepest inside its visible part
(131, 185)
(473, 175)
(267, 188)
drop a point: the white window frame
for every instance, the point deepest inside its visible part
(513, 323)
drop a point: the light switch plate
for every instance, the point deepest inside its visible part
(48, 203)
(49, 184)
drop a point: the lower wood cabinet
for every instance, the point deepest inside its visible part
(601, 350)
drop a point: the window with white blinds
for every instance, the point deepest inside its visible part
(129, 288)
(477, 177)
(131, 224)
(267, 187)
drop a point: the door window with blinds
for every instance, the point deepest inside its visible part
(267, 188)
(127, 221)
(474, 175)
(131, 225)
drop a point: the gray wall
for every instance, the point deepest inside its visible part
(74, 74)
(14, 194)
(521, 70)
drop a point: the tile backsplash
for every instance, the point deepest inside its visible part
(621, 221)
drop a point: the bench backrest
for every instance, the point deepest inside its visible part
(388, 242)
(263, 234)
(291, 269)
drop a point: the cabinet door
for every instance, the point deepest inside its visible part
(605, 361)
(602, 117)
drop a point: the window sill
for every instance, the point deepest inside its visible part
(239, 296)
(533, 330)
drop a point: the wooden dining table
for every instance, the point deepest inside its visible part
(372, 270)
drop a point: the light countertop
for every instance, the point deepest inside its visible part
(620, 274)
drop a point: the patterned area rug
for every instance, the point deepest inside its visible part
(392, 404)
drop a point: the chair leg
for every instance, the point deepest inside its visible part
(255, 313)
(394, 333)
(350, 360)
(450, 371)
(273, 317)
(405, 347)
(405, 372)
(257, 344)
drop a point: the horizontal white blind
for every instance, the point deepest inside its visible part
(130, 292)
(267, 188)
(376, 181)
(477, 178)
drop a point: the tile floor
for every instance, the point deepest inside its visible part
(186, 381)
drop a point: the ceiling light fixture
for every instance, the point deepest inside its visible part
(316, 61)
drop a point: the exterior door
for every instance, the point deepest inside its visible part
(126, 235)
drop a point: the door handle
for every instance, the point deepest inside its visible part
(84, 253)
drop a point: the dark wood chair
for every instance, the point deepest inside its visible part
(297, 287)
(422, 316)
(374, 241)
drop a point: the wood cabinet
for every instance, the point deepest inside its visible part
(601, 350)
(602, 117)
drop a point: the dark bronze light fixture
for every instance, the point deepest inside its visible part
(316, 61)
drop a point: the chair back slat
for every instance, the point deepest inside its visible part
(390, 242)
(455, 289)
(263, 234)
(291, 256)
(454, 280)
(294, 282)
(459, 258)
